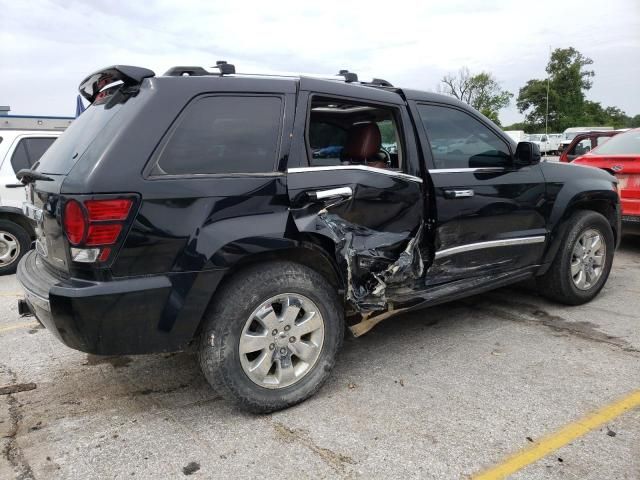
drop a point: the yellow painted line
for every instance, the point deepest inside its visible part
(560, 438)
(16, 326)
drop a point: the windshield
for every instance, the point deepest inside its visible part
(627, 143)
(65, 152)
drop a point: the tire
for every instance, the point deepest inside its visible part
(560, 283)
(235, 314)
(14, 243)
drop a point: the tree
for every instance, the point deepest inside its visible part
(482, 91)
(633, 122)
(568, 80)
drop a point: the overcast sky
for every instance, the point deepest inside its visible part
(48, 46)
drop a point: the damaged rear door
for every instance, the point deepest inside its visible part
(374, 217)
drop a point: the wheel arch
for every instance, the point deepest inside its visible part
(604, 202)
(15, 215)
(314, 251)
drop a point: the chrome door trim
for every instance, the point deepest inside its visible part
(452, 194)
(507, 242)
(364, 168)
(334, 192)
(467, 170)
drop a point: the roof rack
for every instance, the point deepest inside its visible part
(379, 82)
(349, 77)
(191, 71)
(229, 69)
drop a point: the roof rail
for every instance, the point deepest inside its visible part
(349, 77)
(192, 71)
(229, 69)
(378, 82)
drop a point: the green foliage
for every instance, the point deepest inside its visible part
(387, 131)
(569, 80)
(482, 91)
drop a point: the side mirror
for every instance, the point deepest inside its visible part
(527, 153)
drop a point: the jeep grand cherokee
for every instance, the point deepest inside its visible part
(254, 216)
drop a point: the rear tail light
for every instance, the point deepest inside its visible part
(100, 210)
(97, 224)
(103, 234)
(75, 222)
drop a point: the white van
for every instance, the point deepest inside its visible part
(23, 140)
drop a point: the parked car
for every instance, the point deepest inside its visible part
(546, 143)
(516, 135)
(22, 142)
(585, 142)
(570, 133)
(621, 157)
(178, 212)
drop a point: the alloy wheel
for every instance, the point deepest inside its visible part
(587, 259)
(9, 249)
(281, 340)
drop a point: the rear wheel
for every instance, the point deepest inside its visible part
(14, 243)
(583, 263)
(271, 336)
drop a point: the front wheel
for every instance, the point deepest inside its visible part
(583, 263)
(271, 336)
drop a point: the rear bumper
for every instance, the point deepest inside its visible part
(151, 314)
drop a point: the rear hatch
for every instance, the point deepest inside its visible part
(82, 142)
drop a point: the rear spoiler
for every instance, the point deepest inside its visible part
(91, 86)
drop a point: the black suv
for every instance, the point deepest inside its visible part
(254, 216)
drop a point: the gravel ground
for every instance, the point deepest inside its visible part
(441, 393)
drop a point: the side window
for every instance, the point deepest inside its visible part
(28, 152)
(20, 158)
(326, 141)
(341, 132)
(460, 141)
(582, 147)
(601, 140)
(223, 134)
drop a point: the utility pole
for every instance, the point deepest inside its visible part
(546, 117)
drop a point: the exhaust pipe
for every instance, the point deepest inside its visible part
(24, 309)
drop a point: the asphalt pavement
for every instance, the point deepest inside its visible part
(443, 393)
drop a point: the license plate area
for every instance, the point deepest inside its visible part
(36, 215)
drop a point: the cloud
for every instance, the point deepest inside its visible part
(48, 46)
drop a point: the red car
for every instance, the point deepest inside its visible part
(621, 156)
(585, 142)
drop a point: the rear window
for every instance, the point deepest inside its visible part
(28, 152)
(223, 134)
(75, 140)
(627, 143)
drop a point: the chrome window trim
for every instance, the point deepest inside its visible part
(364, 168)
(467, 170)
(507, 242)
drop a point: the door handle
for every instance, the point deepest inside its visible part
(458, 193)
(343, 192)
(14, 185)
